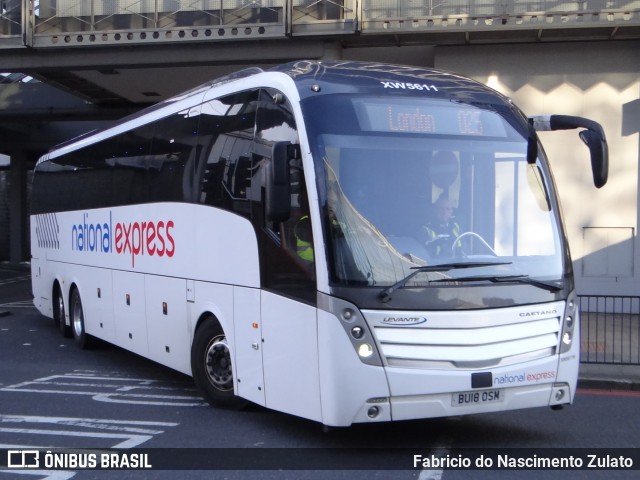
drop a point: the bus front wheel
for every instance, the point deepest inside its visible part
(211, 366)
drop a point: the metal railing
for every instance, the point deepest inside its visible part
(11, 17)
(487, 8)
(610, 329)
(73, 22)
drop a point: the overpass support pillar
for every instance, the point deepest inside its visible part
(18, 212)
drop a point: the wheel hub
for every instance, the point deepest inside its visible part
(218, 364)
(77, 318)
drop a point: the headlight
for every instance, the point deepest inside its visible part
(568, 323)
(365, 350)
(355, 327)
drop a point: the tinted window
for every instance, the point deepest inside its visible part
(227, 131)
(151, 163)
(287, 253)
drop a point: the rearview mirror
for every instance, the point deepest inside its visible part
(593, 137)
(278, 182)
(599, 156)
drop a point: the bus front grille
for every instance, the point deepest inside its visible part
(468, 346)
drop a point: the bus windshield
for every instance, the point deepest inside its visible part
(412, 182)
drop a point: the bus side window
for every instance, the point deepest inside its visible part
(130, 164)
(226, 176)
(286, 249)
(148, 164)
(174, 145)
(226, 134)
(81, 179)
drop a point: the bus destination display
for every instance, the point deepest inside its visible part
(428, 117)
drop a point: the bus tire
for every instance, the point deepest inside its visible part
(59, 313)
(76, 316)
(211, 366)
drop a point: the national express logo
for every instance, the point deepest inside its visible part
(150, 238)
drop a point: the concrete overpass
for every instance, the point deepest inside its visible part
(123, 52)
(94, 61)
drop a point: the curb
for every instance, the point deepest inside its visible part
(608, 384)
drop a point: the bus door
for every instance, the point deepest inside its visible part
(287, 268)
(248, 344)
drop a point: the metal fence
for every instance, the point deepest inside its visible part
(41, 18)
(484, 8)
(610, 329)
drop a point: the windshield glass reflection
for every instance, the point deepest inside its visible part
(398, 195)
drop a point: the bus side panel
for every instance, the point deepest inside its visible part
(97, 302)
(129, 311)
(167, 325)
(290, 354)
(217, 300)
(41, 298)
(217, 246)
(41, 301)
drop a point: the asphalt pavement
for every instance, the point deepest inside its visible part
(591, 375)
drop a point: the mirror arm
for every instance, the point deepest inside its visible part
(593, 136)
(545, 123)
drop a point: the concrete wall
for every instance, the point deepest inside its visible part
(595, 80)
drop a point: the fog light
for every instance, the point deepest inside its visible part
(365, 350)
(373, 412)
(559, 395)
(566, 338)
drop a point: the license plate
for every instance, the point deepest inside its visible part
(477, 398)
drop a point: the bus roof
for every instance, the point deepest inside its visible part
(313, 77)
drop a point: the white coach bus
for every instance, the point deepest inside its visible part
(345, 242)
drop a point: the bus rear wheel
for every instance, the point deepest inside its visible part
(211, 366)
(59, 313)
(82, 339)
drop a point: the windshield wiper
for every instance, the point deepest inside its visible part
(385, 295)
(551, 287)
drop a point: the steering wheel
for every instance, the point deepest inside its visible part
(457, 245)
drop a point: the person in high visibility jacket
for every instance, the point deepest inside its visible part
(302, 229)
(442, 230)
(302, 232)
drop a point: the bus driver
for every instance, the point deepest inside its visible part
(441, 230)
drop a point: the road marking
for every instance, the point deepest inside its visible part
(128, 431)
(15, 280)
(129, 442)
(113, 389)
(117, 433)
(43, 474)
(614, 393)
(18, 304)
(436, 474)
(91, 422)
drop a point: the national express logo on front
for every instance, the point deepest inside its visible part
(137, 238)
